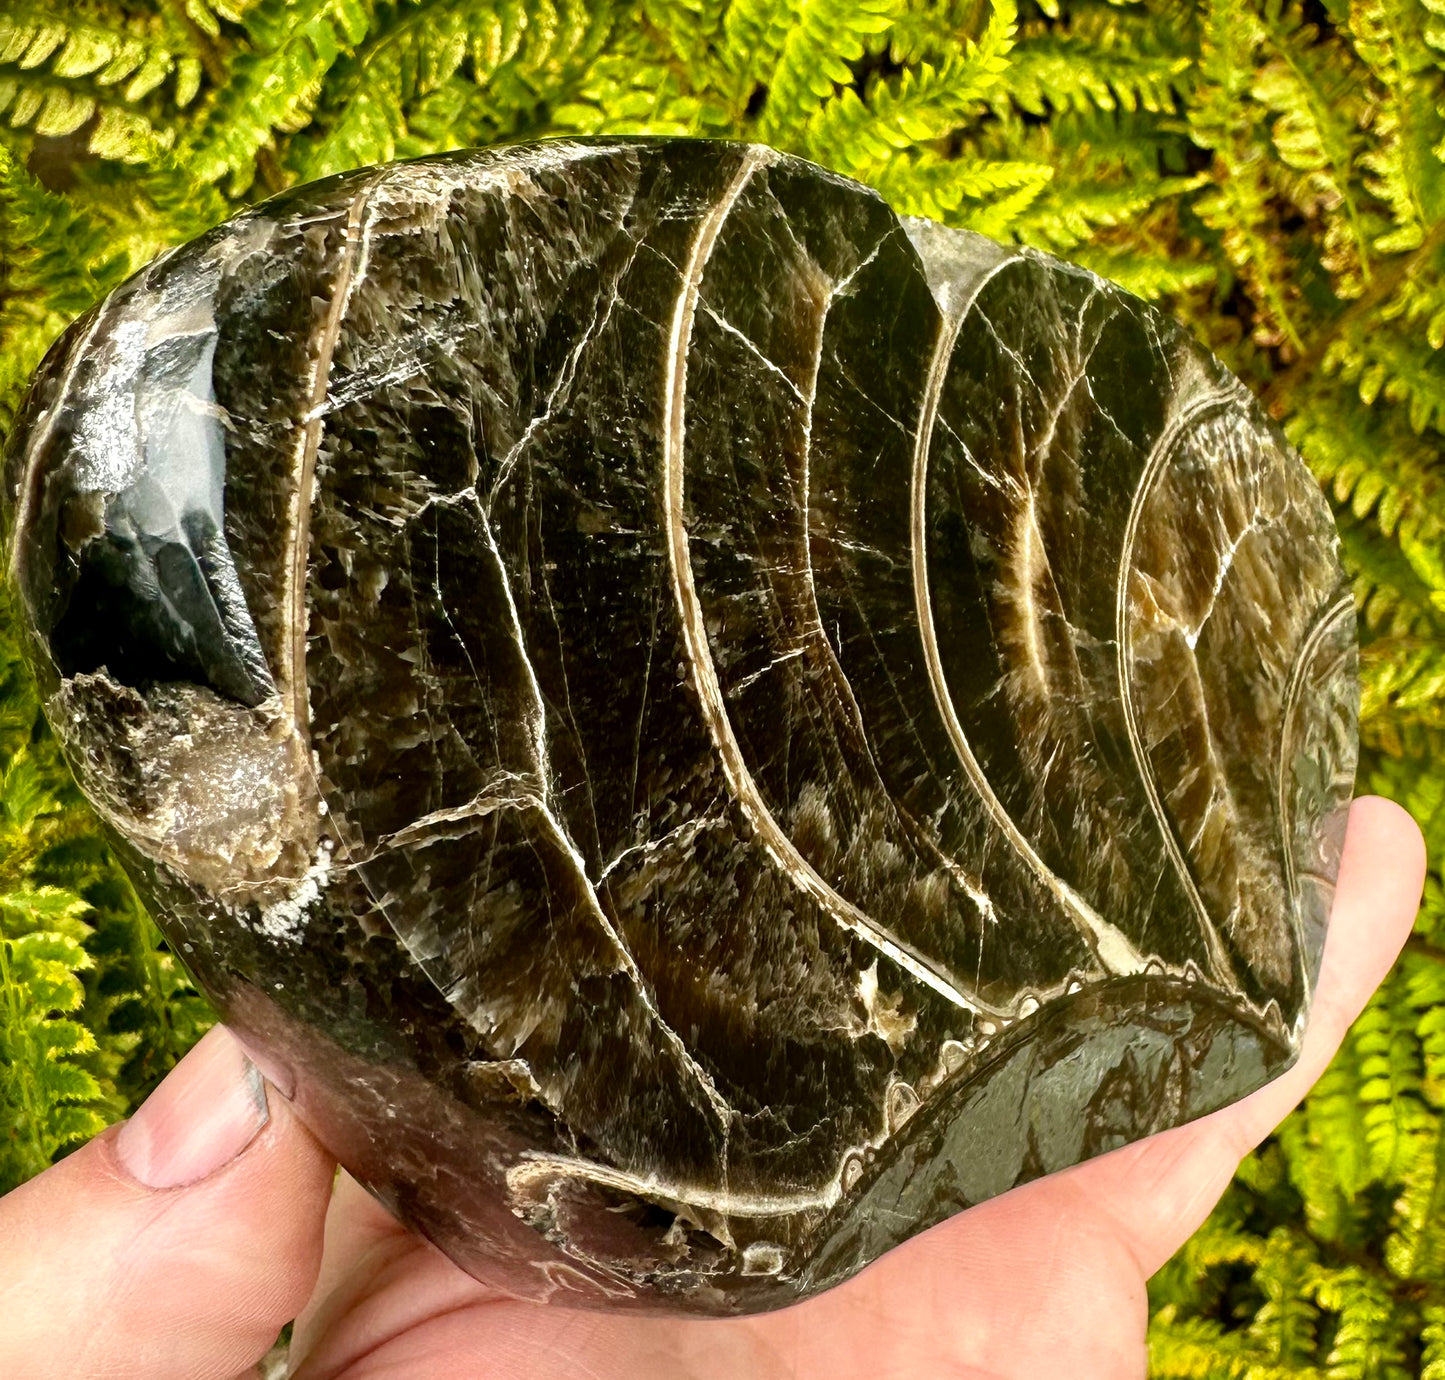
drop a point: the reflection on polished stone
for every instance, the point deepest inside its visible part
(706, 726)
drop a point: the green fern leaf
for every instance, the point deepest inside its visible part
(1367, 1342)
(42, 1093)
(923, 104)
(274, 86)
(1097, 63)
(823, 38)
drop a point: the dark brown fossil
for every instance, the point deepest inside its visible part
(704, 726)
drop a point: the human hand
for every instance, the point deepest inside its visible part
(103, 1276)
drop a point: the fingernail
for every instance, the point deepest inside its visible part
(208, 1109)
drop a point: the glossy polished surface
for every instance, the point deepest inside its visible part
(704, 726)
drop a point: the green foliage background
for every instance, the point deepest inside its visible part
(1272, 171)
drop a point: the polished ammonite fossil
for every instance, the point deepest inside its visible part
(696, 725)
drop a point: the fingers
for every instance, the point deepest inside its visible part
(378, 1281)
(1156, 1192)
(175, 1245)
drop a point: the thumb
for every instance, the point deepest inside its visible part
(176, 1245)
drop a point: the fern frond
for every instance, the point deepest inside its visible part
(1088, 195)
(1238, 206)
(1382, 365)
(1389, 37)
(1402, 692)
(934, 30)
(1319, 115)
(1335, 1115)
(1192, 1348)
(1156, 277)
(923, 104)
(967, 191)
(1392, 598)
(1367, 1343)
(44, 1093)
(59, 72)
(53, 109)
(57, 261)
(1415, 1248)
(754, 32)
(274, 86)
(823, 38)
(411, 51)
(1432, 1341)
(620, 95)
(1378, 468)
(1330, 1214)
(1387, 1047)
(1285, 1327)
(1098, 62)
(689, 29)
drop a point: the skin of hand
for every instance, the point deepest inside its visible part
(176, 1245)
